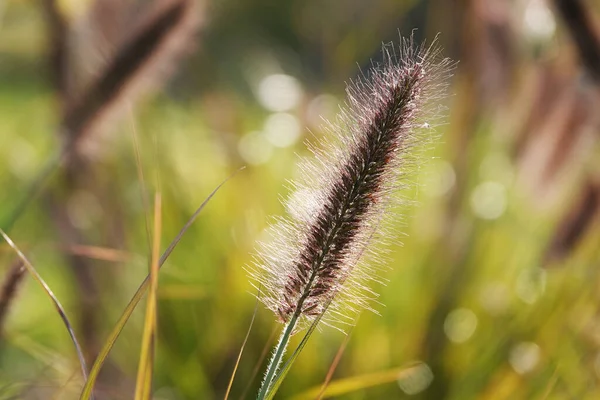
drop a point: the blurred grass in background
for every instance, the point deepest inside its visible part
(494, 290)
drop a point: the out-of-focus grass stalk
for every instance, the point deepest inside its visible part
(10, 288)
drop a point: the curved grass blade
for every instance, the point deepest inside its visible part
(55, 302)
(143, 387)
(237, 362)
(261, 359)
(360, 382)
(114, 334)
(334, 364)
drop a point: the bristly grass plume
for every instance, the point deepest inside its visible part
(315, 268)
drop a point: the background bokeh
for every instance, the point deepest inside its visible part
(493, 289)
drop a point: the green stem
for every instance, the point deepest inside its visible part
(275, 361)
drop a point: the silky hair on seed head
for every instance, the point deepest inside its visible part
(323, 259)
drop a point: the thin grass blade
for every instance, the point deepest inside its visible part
(114, 335)
(259, 362)
(55, 302)
(237, 362)
(334, 364)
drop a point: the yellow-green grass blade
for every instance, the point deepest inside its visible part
(239, 357)
(334, 364)
(55, 302)
(114, 334)
(143, 387)
(355, 383)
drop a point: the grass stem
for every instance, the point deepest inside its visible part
(275, 361)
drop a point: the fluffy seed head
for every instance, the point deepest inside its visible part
(315, 262)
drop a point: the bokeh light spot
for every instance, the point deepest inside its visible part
(460, 325)
(282, 129)
(538, 20)
(417, 379)
(279, 92)
(524, 357)
(488, 200)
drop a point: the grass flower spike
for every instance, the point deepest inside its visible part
(315, 267)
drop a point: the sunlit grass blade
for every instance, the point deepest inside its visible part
(189, 223)
(239, 357)
(334, 364)
(259, 362)
(57, 305)
(355, 383)
(114, 334)
(143, 387)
